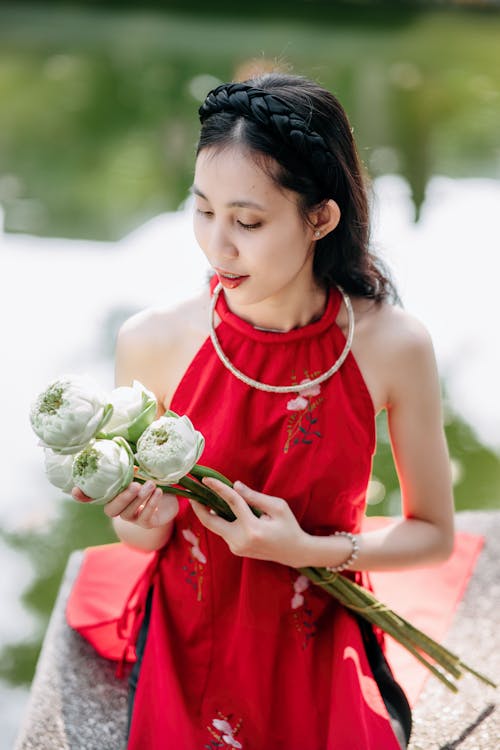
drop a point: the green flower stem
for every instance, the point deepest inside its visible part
(198, 488)
(168, 489)
(359, 599)
(208, 498)
(363, 601)
(438, 652)
(349, 594)
(209, 504)
(373, 611)
(427, 644)
(478, 675)
(199, 472)
(204, 471)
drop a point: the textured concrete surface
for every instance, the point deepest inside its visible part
(469, 720)
(77, 703)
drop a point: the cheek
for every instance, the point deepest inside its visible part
(200, 232)
(291, 243)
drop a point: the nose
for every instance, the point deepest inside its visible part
(220, 244)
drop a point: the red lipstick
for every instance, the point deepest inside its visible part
(231, 281)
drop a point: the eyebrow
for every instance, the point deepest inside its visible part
(238, 203)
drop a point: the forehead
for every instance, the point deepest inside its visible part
(229, 174)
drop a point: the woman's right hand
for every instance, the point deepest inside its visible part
(144, 505)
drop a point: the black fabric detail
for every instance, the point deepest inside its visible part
(392, 694)
(139, 649)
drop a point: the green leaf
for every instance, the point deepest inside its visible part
(142, 421)
(170, 413)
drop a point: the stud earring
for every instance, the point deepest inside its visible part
(317, 233)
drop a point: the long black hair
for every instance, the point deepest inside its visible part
(298, 132)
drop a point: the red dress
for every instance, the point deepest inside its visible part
(240, 652)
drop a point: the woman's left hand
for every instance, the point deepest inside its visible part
(275, 535)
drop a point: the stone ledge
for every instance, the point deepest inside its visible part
(469, 720)
(77, 703)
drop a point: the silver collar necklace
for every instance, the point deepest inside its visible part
(292, 388)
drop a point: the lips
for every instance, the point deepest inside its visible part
(229, 280)
(228, 274)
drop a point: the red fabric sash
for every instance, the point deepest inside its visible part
(107, 600)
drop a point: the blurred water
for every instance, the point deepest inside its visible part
(60, 306)
(447, 269)
(62, 301)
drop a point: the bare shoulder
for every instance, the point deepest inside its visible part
(156, 345)
(405, 355)
(164, 327)
(396, 331)
(392, 348)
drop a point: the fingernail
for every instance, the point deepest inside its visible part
(239, 485)
(146, 488)
(82, 499)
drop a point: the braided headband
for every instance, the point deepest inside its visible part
(273, 113)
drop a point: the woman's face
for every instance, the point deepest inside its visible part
(248, 227)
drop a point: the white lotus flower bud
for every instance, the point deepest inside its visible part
(59, 470)
(69, 413)
(169, 448)
(134, 408)
(103, 469)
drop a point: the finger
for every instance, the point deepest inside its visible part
(146, 511)
(79, 496)
(160, 509)
(268, 504)
(167, 507)
(235, 501)
(118, 504)
(210, 520)
(135, 508)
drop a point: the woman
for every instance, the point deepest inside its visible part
(282, 363)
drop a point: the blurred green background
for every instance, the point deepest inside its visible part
(97, 117)
(97, 133)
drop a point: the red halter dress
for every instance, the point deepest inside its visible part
(244, 653)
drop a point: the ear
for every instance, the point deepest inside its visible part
(324, 219)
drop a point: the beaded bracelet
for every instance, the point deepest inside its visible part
(352, 557)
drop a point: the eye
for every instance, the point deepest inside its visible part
(203, 213)
(249, 226)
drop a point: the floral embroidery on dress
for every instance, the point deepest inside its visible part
(197, 562)
(300, 585)
(223, 733)
(301, 422)
(303, 620)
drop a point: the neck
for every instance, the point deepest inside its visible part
(284, 312)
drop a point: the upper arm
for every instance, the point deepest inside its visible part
(416, 427)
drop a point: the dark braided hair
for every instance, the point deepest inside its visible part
(299, 134)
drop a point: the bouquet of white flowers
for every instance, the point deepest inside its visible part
(100, 443)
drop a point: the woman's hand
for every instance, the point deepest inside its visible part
(275, 536)
(143, 516)
(144, 505)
